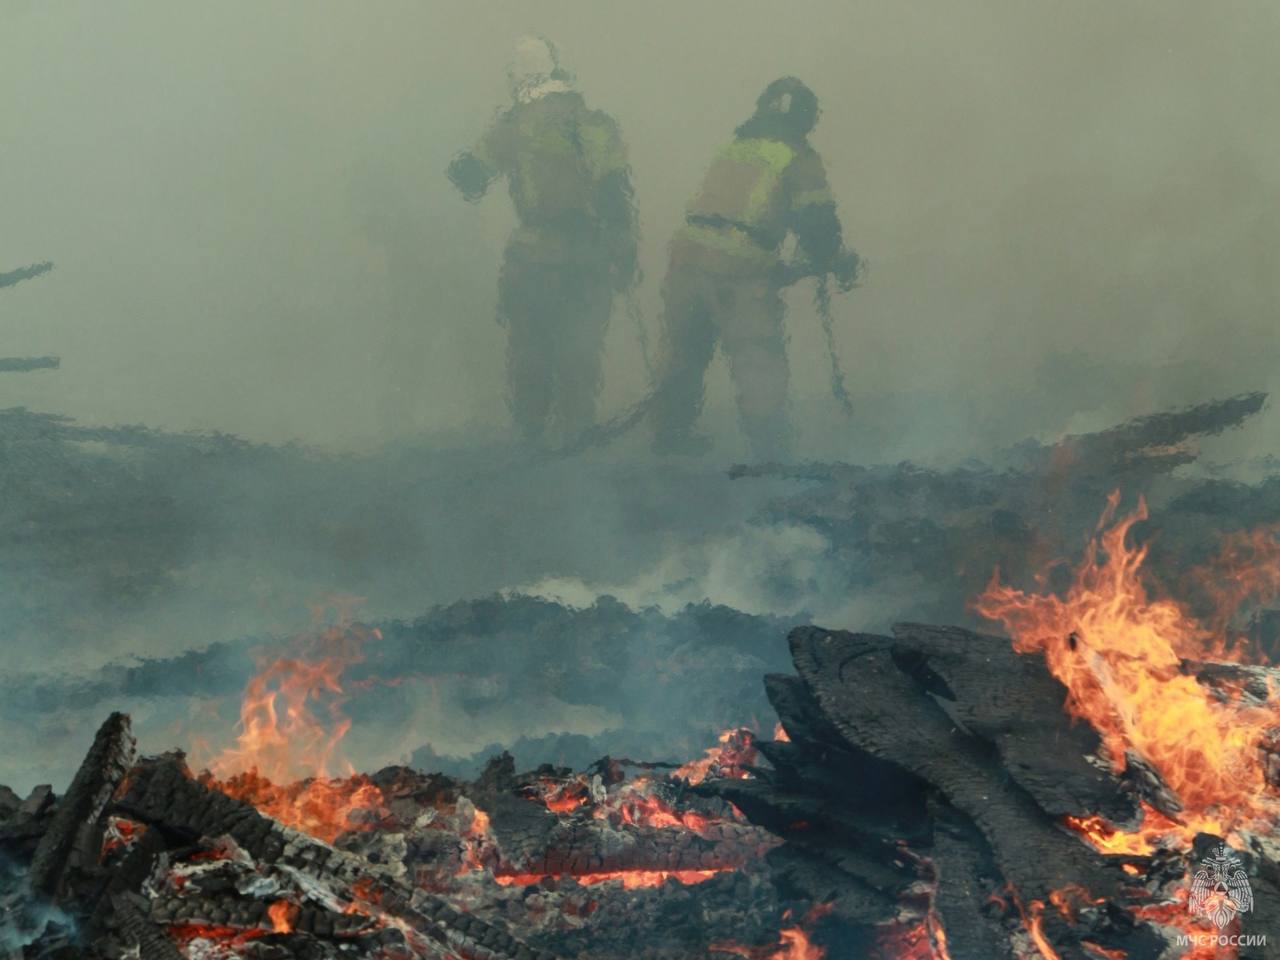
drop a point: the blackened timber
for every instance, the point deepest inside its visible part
(161, 793)
(531, 840)
(1012, 701)
(74, 837)
(887, 801)
(128, 876)
(152, 943)
(965, 881)
(879, 708)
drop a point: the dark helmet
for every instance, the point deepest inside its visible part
(787, 109)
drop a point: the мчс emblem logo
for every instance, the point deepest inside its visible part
(1220, 890)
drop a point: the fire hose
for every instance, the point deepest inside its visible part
(822, 303)
(622, 422)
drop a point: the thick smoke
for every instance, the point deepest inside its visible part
(1063, 208)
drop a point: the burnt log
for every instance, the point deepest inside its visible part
(966, 878)
(126, 877)
(935, 534)
(531, 840)
(839, 806)
(74, 837)
(1013, 702)
(130, 912)
(880, 708)
(162, 794)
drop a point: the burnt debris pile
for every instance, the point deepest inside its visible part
(142, 859)
(938, 767)
(925, 796)
(936, 534)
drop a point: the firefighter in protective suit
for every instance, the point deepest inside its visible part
(574, 248)
(726, 274)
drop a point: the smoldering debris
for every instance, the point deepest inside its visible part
(102, 523)
(935, 802)
(617, 860)
(945, 530)
(551, 683)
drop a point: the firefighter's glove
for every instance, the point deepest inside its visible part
(847, 270)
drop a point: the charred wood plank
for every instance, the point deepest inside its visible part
(1252, 683)
(1013, 702)
(161, 793)
(130, 912)
(127, 877)
(879, 708)
(887, 801)
(965, 880)
(74, 836)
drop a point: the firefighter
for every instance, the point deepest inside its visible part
(726, 274)
(575, 246)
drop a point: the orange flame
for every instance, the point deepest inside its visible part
(1246, 568)
(735, 752)
(281, 914)
(644, 809)
(1033, 924)
(280, 735)
(283, 759)
(1119, 650)
(1142, 841)
(793, 944)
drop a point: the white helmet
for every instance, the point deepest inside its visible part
(535, 71)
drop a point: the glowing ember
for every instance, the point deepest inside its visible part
(1103, 953)
(476, 837)
(631, 879)
(918, 941)
(322, 808)
(793, 944)
(281, 914)
(119, 834)
(564, 797)
(188, 933)
(729, 760)
(634, 806)
(1118, 650)
(1153, 828)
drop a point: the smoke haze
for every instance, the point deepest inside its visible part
(254, 234)
(1069, 212)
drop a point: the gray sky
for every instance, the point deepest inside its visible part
(253, 231)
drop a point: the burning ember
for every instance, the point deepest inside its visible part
(728, 760)
(793, 944)
(1127, 656)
